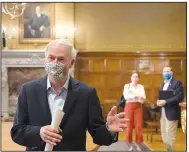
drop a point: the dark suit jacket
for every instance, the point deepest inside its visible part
(82, 111)
(172, 109)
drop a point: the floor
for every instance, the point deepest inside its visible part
(156, 144)
(9, 145)
(121, 145)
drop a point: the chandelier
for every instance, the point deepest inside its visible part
(14, 10)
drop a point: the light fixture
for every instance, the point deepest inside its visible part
(14, 10)
(65, 32)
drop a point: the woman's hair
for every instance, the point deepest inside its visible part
(136, 73)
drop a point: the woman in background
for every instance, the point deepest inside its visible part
(134, 94)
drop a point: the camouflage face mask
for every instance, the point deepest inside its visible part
(56, 70)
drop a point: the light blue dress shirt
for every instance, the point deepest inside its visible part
(57, 101)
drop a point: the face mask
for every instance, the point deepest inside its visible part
(56, 70)
(167, 75)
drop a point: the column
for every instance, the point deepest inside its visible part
(5, 93)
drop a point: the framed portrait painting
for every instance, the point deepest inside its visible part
(37, 23)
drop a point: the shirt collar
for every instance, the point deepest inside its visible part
(64, 86)
(167, 81)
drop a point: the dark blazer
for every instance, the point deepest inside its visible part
(172, 109)
(82, 111)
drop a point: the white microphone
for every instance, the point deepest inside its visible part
(56, 120)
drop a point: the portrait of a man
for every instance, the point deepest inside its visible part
(37, 23)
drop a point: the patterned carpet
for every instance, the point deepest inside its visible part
(122, 146)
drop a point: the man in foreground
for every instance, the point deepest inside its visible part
(39, 99)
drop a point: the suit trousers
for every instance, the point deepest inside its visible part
(168, 131)
(134, 113)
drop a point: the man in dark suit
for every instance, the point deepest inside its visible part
(170, 111)
(38, 100)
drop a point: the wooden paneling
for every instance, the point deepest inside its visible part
(97, 65)
(126, 78)
(158, 64)
(129, 65)
(113, 65)
(184, 67)
(144, 66)
(145, 79)
(113, 94)
(85, 65)
(100, 93)
(157, 80)
(86, 78)
(176, 65)
(97, 80)
(108, 72)
(113, 80)
(150, 94)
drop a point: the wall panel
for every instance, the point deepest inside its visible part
(108, 72)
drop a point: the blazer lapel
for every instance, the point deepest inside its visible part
(41, 93)
(73, 91)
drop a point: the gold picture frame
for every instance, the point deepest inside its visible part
(37, 24)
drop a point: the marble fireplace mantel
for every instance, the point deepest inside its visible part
(23, 58)
(19, 58)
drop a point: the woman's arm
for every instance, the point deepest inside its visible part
(142, 96)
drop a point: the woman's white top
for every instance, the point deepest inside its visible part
(131, 91)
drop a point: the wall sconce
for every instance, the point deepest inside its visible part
(13, 33)
(3, 39)
(9, 34)
(4, 36)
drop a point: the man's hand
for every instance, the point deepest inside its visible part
(161, 103)
(137, 97)
(42, 28)
(29, 27)
(33, 32)
(50, 135)
(116, 122)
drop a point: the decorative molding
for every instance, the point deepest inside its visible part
(129, 47)
(130, 54)
(21, 58)
(4, 77)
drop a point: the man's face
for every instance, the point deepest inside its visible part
(167, 73)
(60, 53)
(167, 69)
(134, 78)
(38, 10)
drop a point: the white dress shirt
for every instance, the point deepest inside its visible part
(56, 101)
(166, 84)
(130, 92)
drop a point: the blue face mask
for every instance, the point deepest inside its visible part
(167, 75)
